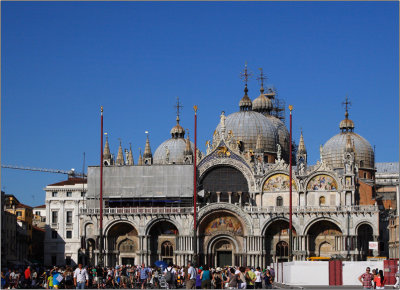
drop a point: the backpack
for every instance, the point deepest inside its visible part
(168, 276)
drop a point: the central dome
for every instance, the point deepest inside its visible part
(247, 125)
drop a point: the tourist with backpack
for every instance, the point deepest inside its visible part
(169, 275)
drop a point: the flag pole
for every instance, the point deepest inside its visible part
(101, 193)
(290, 189)
(195, 257)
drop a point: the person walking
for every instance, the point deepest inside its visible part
(268, 280)
(170, 274)
(258, 282)
(28, 277)
(81, 277)
(191, 276)
(206, 278)
(366, 279)
(250, 278)
(232, 279)
(380, 280)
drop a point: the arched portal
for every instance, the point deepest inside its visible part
(224, 184)
(277, 241)
(162, 241)
(324, 239)
(122, 244)
(364, 236)
(221, 236)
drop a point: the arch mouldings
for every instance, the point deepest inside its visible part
(236, 211)
(321, 219)
(214, 162)
(151, 223)
(109, 225)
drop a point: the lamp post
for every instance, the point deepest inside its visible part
(195, 257)
(290, 189)
(101, 193)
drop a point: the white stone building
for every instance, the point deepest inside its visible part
(63, 233)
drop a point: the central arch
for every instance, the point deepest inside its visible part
(222, 250)
(221, 237)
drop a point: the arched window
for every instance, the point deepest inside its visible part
(361, 163)
(322, 200)
(282, 249)
(167, 250)
(279, 201)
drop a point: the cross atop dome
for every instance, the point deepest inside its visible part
(261, 78)
(346, 125)
(347, 104)
(245, 75)
(178, 106)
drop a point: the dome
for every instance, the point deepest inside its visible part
(283, 134)
(334, 148)
(262, 104)
(246, 125)
(176, 148)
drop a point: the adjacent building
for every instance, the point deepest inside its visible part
(63, 233)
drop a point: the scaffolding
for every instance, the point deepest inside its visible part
(278, 105)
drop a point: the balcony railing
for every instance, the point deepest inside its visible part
(248, 209)
(313, 209)
(138, 210)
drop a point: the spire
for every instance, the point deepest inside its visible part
(120, 157)
(188, 148)
(346, 125)
(106, 152)
(129, 160)
(302, 147)
(147, 149)
(245, 103)
(140, 157)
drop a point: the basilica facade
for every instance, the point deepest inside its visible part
(242, 196)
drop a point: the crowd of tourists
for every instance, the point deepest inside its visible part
(138, 277)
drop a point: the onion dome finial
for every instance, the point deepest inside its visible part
(245, 103)
(346, 125)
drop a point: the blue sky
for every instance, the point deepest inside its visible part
(62, 60)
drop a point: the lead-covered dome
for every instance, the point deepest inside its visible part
(176, 148)
(283, 134)
(247, 125)
(334, 148)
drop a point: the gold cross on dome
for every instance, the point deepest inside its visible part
(347, 103)
(178, 106)
(245, 75)
(262, 77)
